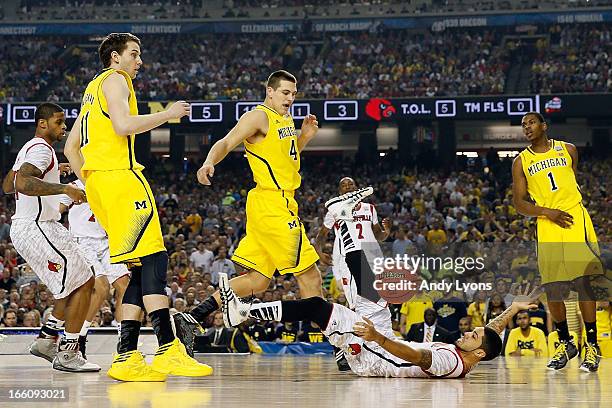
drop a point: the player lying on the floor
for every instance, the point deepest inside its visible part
(372, 353)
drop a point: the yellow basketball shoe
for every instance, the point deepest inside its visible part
(131, 366)
(171, 358)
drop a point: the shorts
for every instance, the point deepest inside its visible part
(275, 238)
(367, 358)
(123, 203)
(97, 253)
(566, 254)
(53, 254)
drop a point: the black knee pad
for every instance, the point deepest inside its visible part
(133, 292)
(154, 270)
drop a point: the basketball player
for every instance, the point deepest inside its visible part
(567, 245)
(100, 149)
(361, 232)
(275, 237)
(48, 247)
(372, 349)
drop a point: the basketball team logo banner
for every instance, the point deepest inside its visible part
(400, 271)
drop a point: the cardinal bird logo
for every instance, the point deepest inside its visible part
(54, 267)
(378, 108)
(354, 349)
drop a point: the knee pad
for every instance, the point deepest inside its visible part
(133, 292)
(154, 270)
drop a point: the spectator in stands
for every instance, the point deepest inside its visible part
(5, 228)
(526, 340)
(7, 282)
(450, 309)
(222, 265)
(10, 318)
(429, 331)
(465, 325)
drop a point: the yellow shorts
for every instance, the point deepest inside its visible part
(565, 254)
(275, 238)
(123, 203)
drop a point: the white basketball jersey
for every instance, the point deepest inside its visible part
(82, 222)
(446, 362)
(352, 234)
(39, 153)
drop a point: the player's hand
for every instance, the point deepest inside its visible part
(77, 195)
(205, 173)
(65, 169)
(561, 218)
(387, 223)
(523, 303)
(366, 330)
(179, 109)
(310, 127)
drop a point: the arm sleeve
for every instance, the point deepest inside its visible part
(328, 221)
(443, 362)
(39, 155)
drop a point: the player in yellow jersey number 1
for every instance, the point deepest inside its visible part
(275, 238)
(568, 253)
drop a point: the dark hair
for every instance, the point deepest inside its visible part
(523, 311)
(491, 344)
(46, 110)
(275, 78)
(537, 115)
(114, 42)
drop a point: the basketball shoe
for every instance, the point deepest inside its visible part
(592, 356)
(563, 354)
(44, 348)
(186, 328)
(70, 359)
(235, 310)
(342, 206)
(171, 358)
(131, 366)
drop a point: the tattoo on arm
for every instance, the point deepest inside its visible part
(425, 360)
(28, 183)
(500, 322)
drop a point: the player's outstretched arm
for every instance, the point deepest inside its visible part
(29, 183)
(309, 130)
(520, 303)
(72, 149)
(318, 245)
(368, 332)
(382, 233)
(250, 124)
(523, 206)
(8, 183)
(116, 91)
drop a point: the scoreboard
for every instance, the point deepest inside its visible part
(373, 109)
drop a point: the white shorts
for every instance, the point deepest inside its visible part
(53, 254)
(366, 358)
(97, 252)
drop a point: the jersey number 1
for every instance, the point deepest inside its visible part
(292, 150)
(84, 132)
(553, 185)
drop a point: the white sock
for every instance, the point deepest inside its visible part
(54, 323)
(71, 336)
(85, 328)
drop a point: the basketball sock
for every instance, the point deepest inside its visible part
(315, 309)
(85, 328)
(130, 329)
(162, 327)
(563, 330)
(204, 309)
(591, 332)
(51, 328)
(70, 342)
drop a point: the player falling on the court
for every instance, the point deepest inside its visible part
(100, 149)
(360, 233)
(48, 247)
(370, 346)
(567, 245)
(275, 237)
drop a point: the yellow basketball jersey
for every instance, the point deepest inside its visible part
(102, 148)
(275, 161)
(551, 181)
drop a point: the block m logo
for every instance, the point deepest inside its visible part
(140, 204)
(293, 224)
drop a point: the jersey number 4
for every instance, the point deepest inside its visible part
(84, 132)
(553, 185)
(292, 150)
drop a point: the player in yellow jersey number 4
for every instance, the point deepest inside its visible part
(568, 254)
(275, 238)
